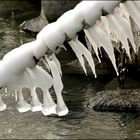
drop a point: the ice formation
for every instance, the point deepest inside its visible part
(19, 68)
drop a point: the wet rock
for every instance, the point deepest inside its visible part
(116, 100)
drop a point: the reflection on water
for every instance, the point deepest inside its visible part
(81, 122)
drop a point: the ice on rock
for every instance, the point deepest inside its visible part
(123, 12)
(6, 90)
(56, 61)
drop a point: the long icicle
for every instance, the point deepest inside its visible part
(117, 29)
(124, 12)
(133, 11)
(43, 80)
(94, 45)
(3, 106)
(36, 105)
(125, 26)
(54, 35)
(22, 105)
(49, 106)
(79, 54)
(137, 4)
(104, 41)
(57, 63)
(61, 108)
(83, 51)
(87, 55)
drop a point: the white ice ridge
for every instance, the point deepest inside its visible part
(19, 68)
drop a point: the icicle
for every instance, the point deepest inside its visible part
(133, 11)
(125, 26)
(43, 80)
(54, 58)
(35, 103)
(79, 55)
(6, 90)
(82, 51)
(94, 45)
(87, 55)
(46, 65)
(124, 12)
(61, 108)
(103, 23)
(49, 107)
(22, 105)
(118, 30)
(3, 106)
(103, 40)
(137, 4)
(16, 96)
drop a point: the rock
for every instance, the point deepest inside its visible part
(116, 101)
(35, 24)
(54, 9)
(50, 11)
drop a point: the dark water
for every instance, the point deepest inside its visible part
(81, 122)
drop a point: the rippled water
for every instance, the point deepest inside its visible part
(81, 122)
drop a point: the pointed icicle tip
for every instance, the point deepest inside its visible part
(103, 40)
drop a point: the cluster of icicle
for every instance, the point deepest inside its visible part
(19, 68)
